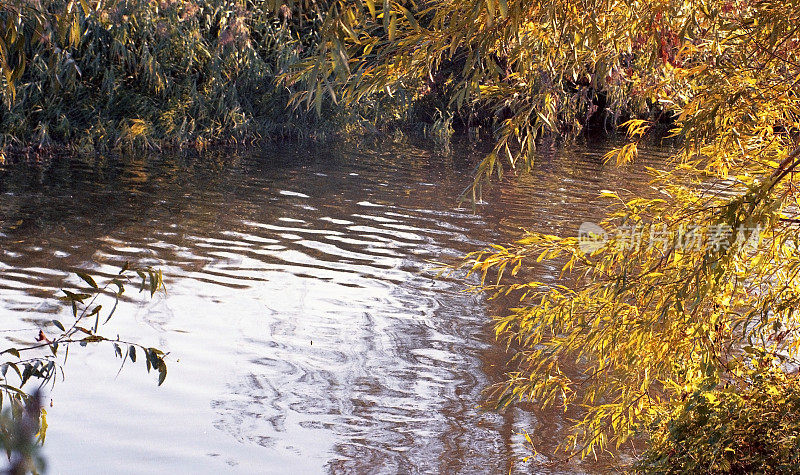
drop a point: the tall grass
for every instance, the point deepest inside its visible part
(152, 73)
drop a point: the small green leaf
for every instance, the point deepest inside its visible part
(410, 17)
(88, 279)
(153, 283)
(15, 368)
(16, 390)
(59, 325)
(73, 297)
(120, 286)
(26, 374)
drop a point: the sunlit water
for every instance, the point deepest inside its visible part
(305, 329)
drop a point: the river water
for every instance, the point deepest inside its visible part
(305, 327)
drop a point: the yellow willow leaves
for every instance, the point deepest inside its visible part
(647, 321)
(545, 64)
(623, 155)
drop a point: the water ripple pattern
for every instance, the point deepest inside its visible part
(305, 329)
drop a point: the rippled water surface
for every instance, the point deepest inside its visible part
(305, 327)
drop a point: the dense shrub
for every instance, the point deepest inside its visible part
(755, 430)
(134, 73)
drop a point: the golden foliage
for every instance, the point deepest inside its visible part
(646, 324)
(653, 321)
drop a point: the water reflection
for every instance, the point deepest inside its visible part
(306, 329)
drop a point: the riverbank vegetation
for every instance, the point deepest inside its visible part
(100, 74)
(96, 75)
(680, 319)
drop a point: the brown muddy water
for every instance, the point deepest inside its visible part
(305, 329)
